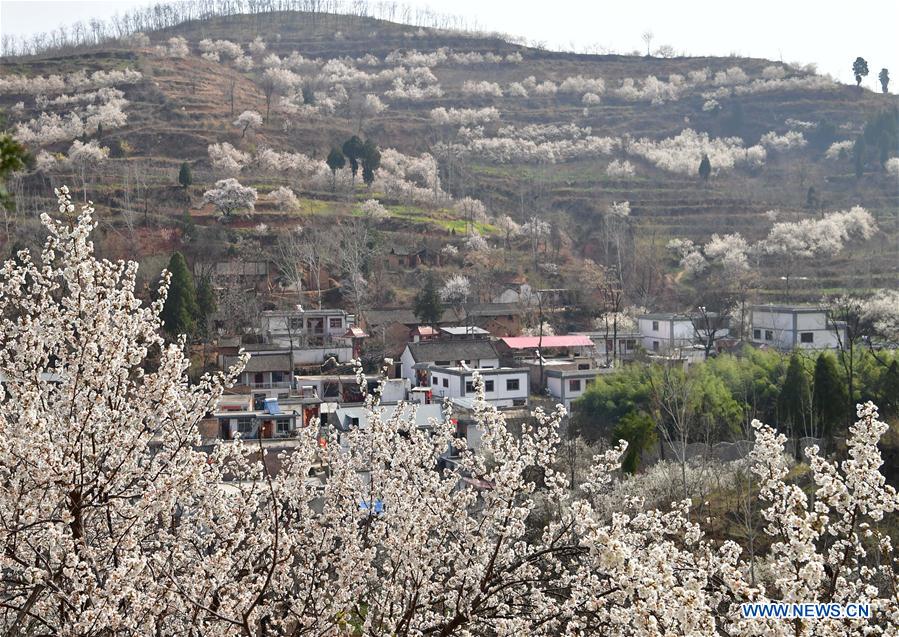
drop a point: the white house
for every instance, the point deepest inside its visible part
(610, 346)
(568, 385)
(417, 357)
(794, 326)
(665, 332)
(503, 386)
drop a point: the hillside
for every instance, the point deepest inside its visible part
(529, 133)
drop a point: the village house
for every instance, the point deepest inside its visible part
(503, 386)
(665, 332)
(407, 258)
(418, 357)
(247, 275)
(238, 414)
(267, 368)
(314, 337)
(789, 327)
(567, 385)
(501, 319)
(612, 346)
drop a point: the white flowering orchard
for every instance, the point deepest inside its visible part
(112, 523)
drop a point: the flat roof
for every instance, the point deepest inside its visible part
(529, 342)
(792, 309)
(490, 371)
(461, 330)
(581, 373)
(665, 316)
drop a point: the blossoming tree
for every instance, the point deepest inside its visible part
(111, 523)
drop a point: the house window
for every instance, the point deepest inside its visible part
(336, 323)
(488, 385)
(519, 402)
(512, 384)
(630, 345)
(446, 382)
(583, 365)
(655, 346)
(769, 335)
(296, 324)
(574, 385)
(757, 334)
(245, 425)
(655, 326)
(354, 422)
(283, 425)
(433, 380)
(442, 363)
(469, 386)
(807, 337)
(277, 377)
(608, 344)
(258, 378)
(316, 325)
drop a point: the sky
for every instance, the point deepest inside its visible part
(825, 32)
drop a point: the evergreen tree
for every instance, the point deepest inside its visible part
(830, 398)
(705, 167)
(371, 161)
(185, 178)
(206, 305)
(889, 389)
(335, 161)
(353, 149)
(179, 313)
(884, 77)
(638, 428)
(860, 70)
(13, 156)
(794, 401)
(428, 308)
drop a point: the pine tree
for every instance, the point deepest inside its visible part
(179, 313)
(371, 161)
(206, 305)
(794, 401)
(353, 149)
(335, 161)
(860, 70)
(705, 167)
(428, 308)
(830, 397)
(185, 178)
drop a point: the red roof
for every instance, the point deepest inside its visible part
(532, 342)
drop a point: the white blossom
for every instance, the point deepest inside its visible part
(248, 120)
(620, 168)
(284, 198)
(229, 197)
(374, 211)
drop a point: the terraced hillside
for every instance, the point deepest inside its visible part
(551, 140)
